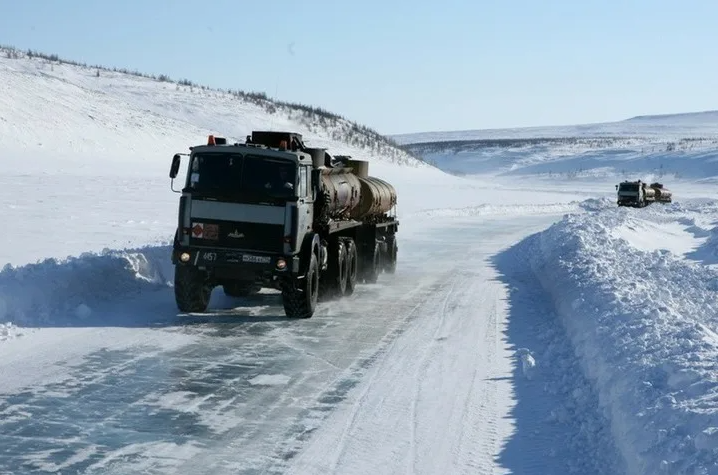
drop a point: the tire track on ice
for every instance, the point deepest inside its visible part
(289, 416)
(421, 369)
(390, 427)
(384, 349)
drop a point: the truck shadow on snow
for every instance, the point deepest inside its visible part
(557, 425)
(128, 288)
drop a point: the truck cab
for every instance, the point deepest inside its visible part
(244, 212)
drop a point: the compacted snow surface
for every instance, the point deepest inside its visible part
(532, 326)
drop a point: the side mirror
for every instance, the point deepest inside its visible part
(174, 169)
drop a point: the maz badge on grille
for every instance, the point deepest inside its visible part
(236, 234)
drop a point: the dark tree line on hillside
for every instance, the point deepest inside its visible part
(314, 118)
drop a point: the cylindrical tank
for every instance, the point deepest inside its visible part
(341, 192)
(377, 197)
(663, 194)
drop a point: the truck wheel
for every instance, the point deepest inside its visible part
(342, 269)
(392, 252)
(372, 265)
(335, 283)
(300, 296)
(192, 289)
(240, 288)
(351, 265)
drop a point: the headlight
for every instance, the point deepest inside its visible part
(281, 264)
(184, 257)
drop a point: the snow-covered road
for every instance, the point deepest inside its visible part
(414, 375)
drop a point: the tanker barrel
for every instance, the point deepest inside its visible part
(360, 167)
(377, 197)
(341, 192)
(318, 156)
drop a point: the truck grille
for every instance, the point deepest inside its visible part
(231, 235)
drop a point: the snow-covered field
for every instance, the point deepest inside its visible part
(532, 326)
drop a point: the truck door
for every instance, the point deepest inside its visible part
(305, 205)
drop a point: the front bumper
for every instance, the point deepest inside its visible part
(235, 260)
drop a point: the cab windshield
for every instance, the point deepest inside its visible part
(237, 175)
(631, 187)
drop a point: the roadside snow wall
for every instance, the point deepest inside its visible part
(643, 324)
(52, 291)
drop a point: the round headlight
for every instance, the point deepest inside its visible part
(281, 264)
(184, 257)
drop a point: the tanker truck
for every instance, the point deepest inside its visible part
(638, 194)
(274, 213)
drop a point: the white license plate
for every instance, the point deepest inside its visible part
(256, 259)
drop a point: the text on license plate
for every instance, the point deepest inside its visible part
(256, 259)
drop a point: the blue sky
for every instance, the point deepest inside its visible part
(405, 66)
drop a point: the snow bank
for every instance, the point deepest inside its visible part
(64, 292)
(643, 323)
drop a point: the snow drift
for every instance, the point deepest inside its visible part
(643, 321)
(64, 292)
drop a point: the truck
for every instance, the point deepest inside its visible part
(274, 213)
(638, 194)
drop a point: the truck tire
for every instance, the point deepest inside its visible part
(335, 283)
(192, 290)
(351, 265)
(299, 297)
(341, 282)
(391, 256)
(240, 288)
(372, 265)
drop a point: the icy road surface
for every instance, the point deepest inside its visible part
(420, 375)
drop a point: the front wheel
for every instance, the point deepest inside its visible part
(192, 289)
(300, 296)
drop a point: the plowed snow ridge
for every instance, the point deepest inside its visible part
(643, 323)
(51, 290)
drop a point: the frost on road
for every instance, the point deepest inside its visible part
(421, 374)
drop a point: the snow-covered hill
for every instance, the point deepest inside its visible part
(67, 112)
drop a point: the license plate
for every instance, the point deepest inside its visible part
(256, 259)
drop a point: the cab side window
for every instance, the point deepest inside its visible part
(302, 182)
(310, 190)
